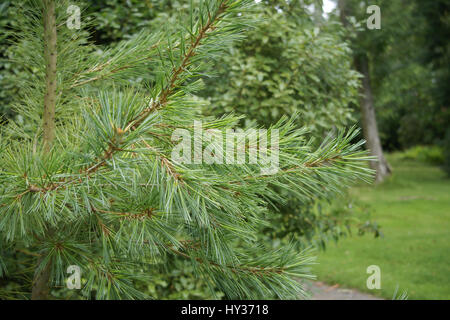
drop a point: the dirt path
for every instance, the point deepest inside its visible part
(322, 291)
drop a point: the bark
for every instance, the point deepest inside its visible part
(40, 289)
(50, 55)
(369, 122)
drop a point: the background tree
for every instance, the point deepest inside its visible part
(408, 86)
(435, 22)
(365, 45)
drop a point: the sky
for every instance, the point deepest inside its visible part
(328, 6)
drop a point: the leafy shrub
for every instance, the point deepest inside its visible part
(428, 154)
(289, 63)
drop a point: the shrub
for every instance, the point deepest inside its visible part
(427, 154)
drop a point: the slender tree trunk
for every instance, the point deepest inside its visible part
(369, 122)
(50, 40)
(40, 290)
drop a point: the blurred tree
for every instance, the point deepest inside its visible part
(435, 35)
(367, 43)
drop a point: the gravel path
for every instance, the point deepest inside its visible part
(322, 291)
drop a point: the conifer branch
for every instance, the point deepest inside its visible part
(163, 99)
(261, 271)
(146, 214)
(212, 20)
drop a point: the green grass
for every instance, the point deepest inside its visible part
(413, 209)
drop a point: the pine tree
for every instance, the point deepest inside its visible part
(87, 176)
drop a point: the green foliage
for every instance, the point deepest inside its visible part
(320, 222)
(291, 63)
(413, 120)
(409, 86)
(174, 280)
(434, 35)
(400, 296)
(426, 154)
(119, 20)
(288, 64)
(108, 196)
(8, 74)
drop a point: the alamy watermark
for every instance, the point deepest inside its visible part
(374, 21)
(74, 20)
(374, 280)
(213, 146)
(74, 280)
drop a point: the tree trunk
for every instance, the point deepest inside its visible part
(40, 289)
(50, 55)
(369, 123)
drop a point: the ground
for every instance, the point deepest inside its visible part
(413, 209)
(322, 291)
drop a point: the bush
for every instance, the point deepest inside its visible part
(289, 63)
(428, 154)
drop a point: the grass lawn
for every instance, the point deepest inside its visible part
(413, 209)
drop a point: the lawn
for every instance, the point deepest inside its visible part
(413, 209)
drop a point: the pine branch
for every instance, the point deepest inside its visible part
(203, 32)
(77, 82)
(260, 271)
(163, 99)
